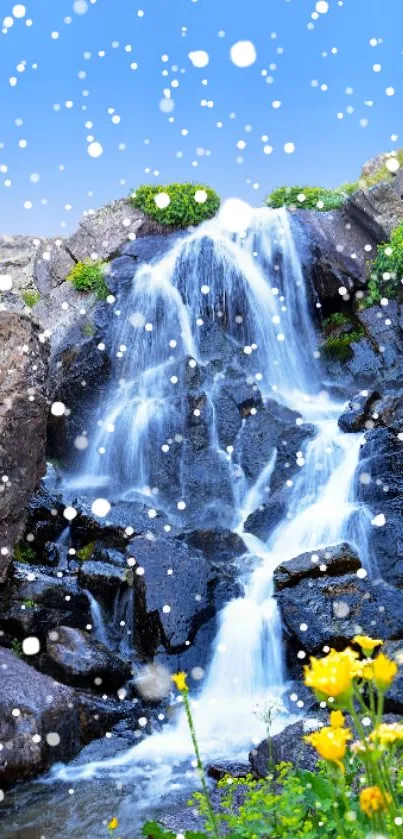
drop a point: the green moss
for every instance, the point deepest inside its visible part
(86, 552)
(29, 604)
(88, 330)
(183, 210)
(310, 197)
(381, 174)
(89, 276)
(337, 319)
(16, 646)
(386, 269)
(339, 346)
(24, 553)
(31, 297)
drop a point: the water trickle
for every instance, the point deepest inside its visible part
(98, 622)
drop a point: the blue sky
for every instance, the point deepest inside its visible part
(328, 149)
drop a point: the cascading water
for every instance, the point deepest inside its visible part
(249, 289)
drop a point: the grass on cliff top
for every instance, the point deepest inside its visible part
(380, 174)
(177, 204)
(89, 276)
(310, 197)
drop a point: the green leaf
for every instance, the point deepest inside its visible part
(322, 788)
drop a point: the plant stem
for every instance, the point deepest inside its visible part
(200, 763)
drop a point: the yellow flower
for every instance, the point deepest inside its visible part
(330, 743)
(367, 644)
(386, 734)
(384, 671)
(180, 681)
(333, 674)
(337, 719)
(372, 800)
(113, 824)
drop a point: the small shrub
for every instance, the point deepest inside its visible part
(86, 552)
(183, 209)
(337, 319)
(310, 197)
(88, 330)
(89, 276)
(339, 346)
(29, 604)
(24, 553)
(386, 269)
(31, 298)
(16, 647)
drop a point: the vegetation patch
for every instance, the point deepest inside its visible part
(355, 789)
(386, 270)
(339, 346)
(335, 320)
(311, 197)
(89, 276)
(88, 330)
(177, 204)
(86, 552)
(24, 553)
(31, 297)
(381, 174)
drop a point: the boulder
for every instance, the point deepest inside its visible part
(33, 706)
(333, 561)
(23, 416)
(358, 414)
(380, 486)
(287, 747)
(329, 611)
(75, 658)
(377, 210)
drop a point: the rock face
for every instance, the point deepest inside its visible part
(23, 415)
(77, 659)
(329, 610)
(288, 747)
(47, 711)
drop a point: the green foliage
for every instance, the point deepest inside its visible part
(315, 197)
(387, 269)
(88, 330)
(292, 804)
(16, 646)
(381, 174)
(339, 346)
(86, 552)
(29, 604)
(183, 210)
(89, 276)
(31, 297)
(24, 553)
(337, 319)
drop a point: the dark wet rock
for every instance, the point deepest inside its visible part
(332, 562)
(380, 486)
(101, 578)
(333, 254)
(388, 411)
(220, 768)
(75, 658)
(334, 609)
(183, 591)
(36, 599)
(292, 440)
(358, 413)
(46, 708)
(298, 698)
(377, 210)
(208, 489)
(287, 747)
(23, 415)
(264, 520)
(125, 520)
(99, 714)
(260, 434)
(221, 547)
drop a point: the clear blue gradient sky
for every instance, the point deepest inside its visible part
(328, 149)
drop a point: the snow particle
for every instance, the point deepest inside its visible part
(31, 645)
(100, 507)
(199, 58)
(95, 149)
(243, 53)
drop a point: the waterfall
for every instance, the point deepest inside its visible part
(249, 288)
(98, 623)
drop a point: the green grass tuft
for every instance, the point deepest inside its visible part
(31, 297)
(89, 276)
(24, 553)
(86, 552)
(183, 210)
(311, 197)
